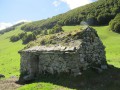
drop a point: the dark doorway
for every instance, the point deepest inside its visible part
(36, 65)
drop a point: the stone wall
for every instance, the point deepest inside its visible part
(93, 49)
(54, 62)
(91, 54)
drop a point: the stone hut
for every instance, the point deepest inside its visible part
(87, 52)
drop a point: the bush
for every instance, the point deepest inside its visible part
(115, 24)
(117, 27)
(27, 38)
(45, 32)
(37, 32)
(43, 42)
(21, 35)
(14, 38)
(17, 37)
(104, 19)
(92, 21)
(56, 29)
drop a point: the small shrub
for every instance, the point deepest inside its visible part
(21, 35)
(51, 32)
(45, 32)
(17, 37)
(115, 24)
(42, 42)
(27, 38)
(117, 27)
(56, 29)
(37, 32)
(14, 38)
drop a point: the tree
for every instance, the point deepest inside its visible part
(115, 24)
(45, 32)
(14, 38)
(21, 35)
(57, 28)
(27, 38)
(37, 32)
(117, 27)
(91, 20)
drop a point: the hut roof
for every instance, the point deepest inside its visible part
(71, 47)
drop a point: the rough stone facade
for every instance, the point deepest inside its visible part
(87, 53)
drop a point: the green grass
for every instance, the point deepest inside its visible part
(70, 28)
(43, 86)
(9, 57)
(10, 64)
(112, 42)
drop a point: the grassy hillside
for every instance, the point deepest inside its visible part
(10, 64)
(9, 57)
(96, 13)
(111, 41)
(13, 27)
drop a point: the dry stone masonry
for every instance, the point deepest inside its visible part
(87, 52)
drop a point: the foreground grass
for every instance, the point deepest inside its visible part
(43, 86)
(109, 80)
(89, 80)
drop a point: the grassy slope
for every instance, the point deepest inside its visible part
(10, 59)
(43, 86)
(112, 42)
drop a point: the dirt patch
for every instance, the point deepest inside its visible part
(9, 84)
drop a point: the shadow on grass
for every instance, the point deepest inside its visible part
(89, 80)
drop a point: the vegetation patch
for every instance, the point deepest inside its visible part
(17, 37)
(57, 38)
(27, 38)
(115, 24)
